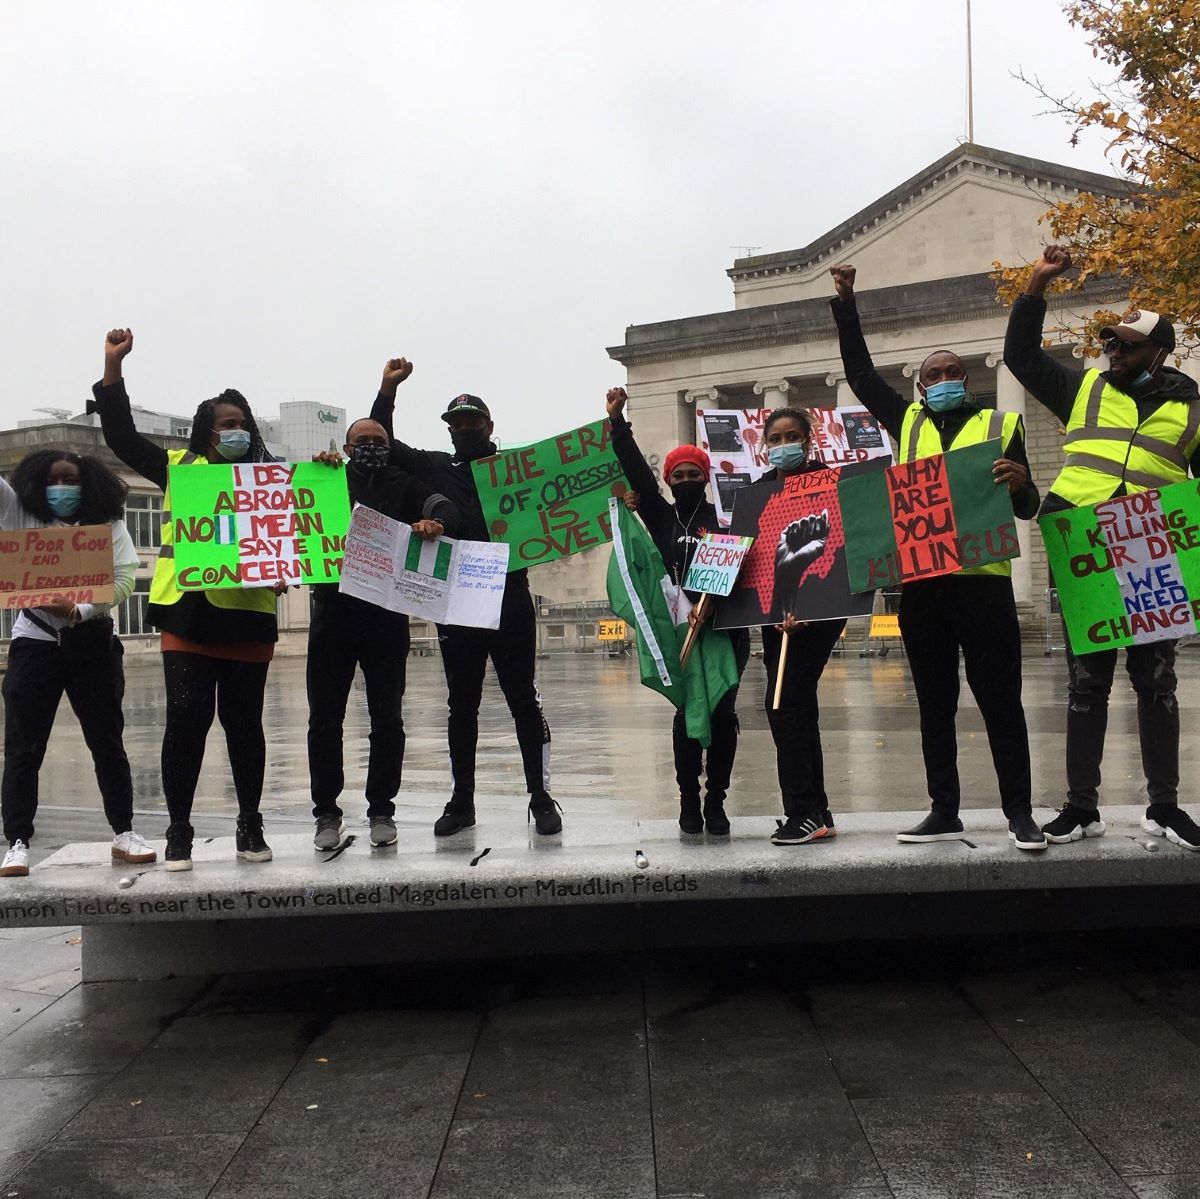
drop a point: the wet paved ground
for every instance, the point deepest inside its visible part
(611, 747)
(1030, 1066)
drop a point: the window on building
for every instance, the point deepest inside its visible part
(556, 631)
(143, 518)
(130, 617)
(585, 632)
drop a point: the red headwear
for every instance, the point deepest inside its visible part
(685, 453)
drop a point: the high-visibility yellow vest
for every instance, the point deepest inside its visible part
(163, 588)
(919, 438)
(1107, 446)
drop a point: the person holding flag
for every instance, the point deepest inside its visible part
(676, 529)
(1133, 427)
(971, 610)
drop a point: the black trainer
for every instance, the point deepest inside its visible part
(453, 819)
(544, 813)
(799, 832)
(179, 847)
(1171, 821)
(1024, 832)
(935, 827)
(1073, 824)
(251, 846)
(715, 819)
(690, 820)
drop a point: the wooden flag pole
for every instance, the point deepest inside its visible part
(689, 642)
(783, 649)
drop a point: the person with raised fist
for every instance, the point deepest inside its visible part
(972, 611)
(677, 526)
(512, 648)
(1130, 428)
(217, 644)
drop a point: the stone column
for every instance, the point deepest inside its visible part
(1010, 397)
(774, 392)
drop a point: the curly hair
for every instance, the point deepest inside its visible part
(797, 414)
(103, 493)
(202, 427)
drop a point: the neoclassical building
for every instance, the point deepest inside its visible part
(924, 254)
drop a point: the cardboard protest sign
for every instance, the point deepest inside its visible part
(734, 441)
(1127, 570)
(448, 582)
(256, 524)
(934, 516)
(48, 566)
(716, 562)
(550, 499)
(797, 563)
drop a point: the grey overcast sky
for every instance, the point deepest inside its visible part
(278, 195)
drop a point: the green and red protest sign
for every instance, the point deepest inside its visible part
(934, 516)
(258, 524)
(1127, 570)
(550, 499)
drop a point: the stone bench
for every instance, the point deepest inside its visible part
(599, 886)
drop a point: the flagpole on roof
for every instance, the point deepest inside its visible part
(970, 83)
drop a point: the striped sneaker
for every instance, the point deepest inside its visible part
(799, 832)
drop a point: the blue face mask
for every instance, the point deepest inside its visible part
(64, 499)
(234, 444)
(788, 457)
(946, 396)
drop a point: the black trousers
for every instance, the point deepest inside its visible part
(722, 750)
(198, 687)
(796, 726)
(1151, 670)
(377, 642)
(38, 674)
(513, 651)
(977, 615)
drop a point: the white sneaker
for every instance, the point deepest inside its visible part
(16, 861)
(132, 847)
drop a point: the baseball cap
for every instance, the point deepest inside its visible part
(1143, 325)
(469, 404)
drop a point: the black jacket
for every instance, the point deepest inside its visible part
(447, 476)
(1056, 385)
(888, 406)
(676, 534)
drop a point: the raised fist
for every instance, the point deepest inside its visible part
(1055, 261)
(117, 344)
(843, 280)
(615, 401)
(394, 373)
(800, 544)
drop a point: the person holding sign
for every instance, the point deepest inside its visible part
(795, 652)
(677, 529)
(465, 651)
(216, 645)
(346, 632)
(1133, 427)
(67, 647)
(972, 610)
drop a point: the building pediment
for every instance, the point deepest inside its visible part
(969, 209)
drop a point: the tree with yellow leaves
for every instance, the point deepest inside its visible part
(1147, 233)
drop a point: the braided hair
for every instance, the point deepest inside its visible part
(202, 428)
(102, 492)
(800, 415)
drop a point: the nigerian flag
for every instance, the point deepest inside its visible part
(641, 592)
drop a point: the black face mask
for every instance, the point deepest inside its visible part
(688, 495)
(470, 444)
(369, 458)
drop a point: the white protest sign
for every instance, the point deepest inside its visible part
(716, 563)
(733, 440)
(448, 582)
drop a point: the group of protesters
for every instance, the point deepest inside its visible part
(1129, 428)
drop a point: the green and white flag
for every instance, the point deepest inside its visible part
(641, 592)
